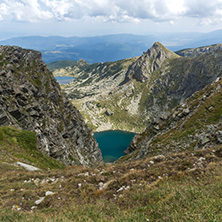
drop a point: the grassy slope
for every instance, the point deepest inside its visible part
(177, 187)
(20, 145)
(60, 64)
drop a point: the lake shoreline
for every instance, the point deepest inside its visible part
(115, 130)
(63, 80)
(113, 143)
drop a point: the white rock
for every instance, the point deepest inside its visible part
(36, 181)
(37, 202)
(56, 180)
(83, 174)
(103, 171)
(101, 185)
(43, 181)
(27, 166)
(120, 189)
(217, 79)
(33, 207)
(52, 179)
(201, 159)
(79, 184)
(47, 193)
(151, 162)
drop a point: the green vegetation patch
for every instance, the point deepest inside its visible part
(60, 64)
(21, 145)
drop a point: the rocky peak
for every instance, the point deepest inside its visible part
(149, 62)
(31, 99)
(159, 52)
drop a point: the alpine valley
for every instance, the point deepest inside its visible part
(172, 170)
(127, 94)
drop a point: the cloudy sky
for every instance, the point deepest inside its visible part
(100, 17)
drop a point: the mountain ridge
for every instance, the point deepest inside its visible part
(169, 84)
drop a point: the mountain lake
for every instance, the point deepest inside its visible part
(64, 79)
(113, 143)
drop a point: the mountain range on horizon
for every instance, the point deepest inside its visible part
(110, 47)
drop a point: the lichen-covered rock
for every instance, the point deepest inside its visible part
(31, 99)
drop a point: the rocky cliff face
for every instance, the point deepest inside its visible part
(31, 99)
(196, 124)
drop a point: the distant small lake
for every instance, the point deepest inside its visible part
(64, 79)
(113, 143)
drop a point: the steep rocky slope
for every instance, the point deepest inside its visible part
(196, 124)
(126, 94)
(31, 99)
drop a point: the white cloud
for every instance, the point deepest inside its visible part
(23, 10)
(110, 10)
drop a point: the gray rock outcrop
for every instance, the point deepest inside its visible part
(31, 99)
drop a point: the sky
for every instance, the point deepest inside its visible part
(102, 17)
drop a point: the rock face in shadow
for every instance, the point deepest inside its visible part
(31, 99)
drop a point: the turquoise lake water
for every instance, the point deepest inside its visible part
(64, 79)
(113, 143)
